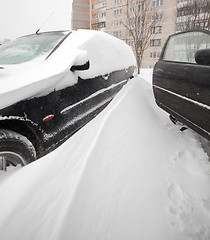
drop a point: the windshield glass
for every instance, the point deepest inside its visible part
(29, 47)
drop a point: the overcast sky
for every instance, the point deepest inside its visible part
(20, 17)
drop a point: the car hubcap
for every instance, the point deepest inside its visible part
(10, 158)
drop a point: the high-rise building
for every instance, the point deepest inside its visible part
(193, 14)
(109, 16)
(80, 14)
(98, 15)
(165, 11)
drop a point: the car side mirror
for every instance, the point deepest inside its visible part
(202, 57)
(83, 67)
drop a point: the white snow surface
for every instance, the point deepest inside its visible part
(128, 174)
(39, 76)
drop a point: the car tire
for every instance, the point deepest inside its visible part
(15, 149)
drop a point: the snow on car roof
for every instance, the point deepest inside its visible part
(105, 52)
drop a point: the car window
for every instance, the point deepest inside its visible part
(29, 47)
(183, 47)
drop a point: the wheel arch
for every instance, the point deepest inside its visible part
(27, 129)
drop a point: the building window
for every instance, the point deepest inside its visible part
(188, 25)
(95, 16)
(184, 11)
(139, 30)
(140, 19)
(94, 26)
(103, 4)
(98, 5)
(117, 23)
(118, 11)
(117, 33)
(141, 7)
(95, 6)
(130, 43)
(98, 25)
(157, 3)
(131, 9)
(155, 42)
(156, 30)
(103, 14)
(132, 21)
(102, 24)
(117, 1)
(157, 16)
(154, 55)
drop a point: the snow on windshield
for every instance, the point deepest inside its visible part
(27, 48)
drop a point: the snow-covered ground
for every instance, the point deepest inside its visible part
(128, 174)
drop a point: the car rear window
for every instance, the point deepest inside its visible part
(29, 47)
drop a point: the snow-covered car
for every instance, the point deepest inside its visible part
(181, 79)
(52, 84)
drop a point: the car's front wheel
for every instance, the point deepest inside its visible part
(15, 149)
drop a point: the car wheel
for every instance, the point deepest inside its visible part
(15, 149)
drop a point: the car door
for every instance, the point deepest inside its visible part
(181, 79)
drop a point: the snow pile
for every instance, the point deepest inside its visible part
(146, 74)
(105, 52)
(39, 76)
(128, 174)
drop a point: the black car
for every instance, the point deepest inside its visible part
(52, 84)
(181, 79)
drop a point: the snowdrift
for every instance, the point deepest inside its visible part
(128, 174)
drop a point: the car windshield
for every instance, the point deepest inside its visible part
(29, 47)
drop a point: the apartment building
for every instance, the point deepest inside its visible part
(98, 15)
(80, 14)
(193, 14)
(165, 10)
(109, 16)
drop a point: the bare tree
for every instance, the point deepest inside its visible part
(142, 23)
(192, 14)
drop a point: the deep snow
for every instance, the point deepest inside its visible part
(128, 174)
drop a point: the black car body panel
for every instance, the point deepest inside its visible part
(68, 110)
(183, 90)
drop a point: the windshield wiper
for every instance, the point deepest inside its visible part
(58, 45)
